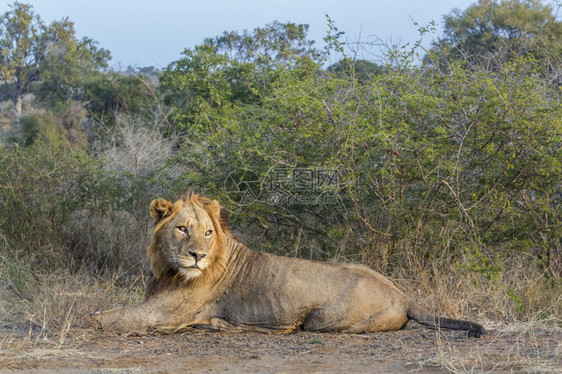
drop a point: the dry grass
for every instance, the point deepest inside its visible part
(96, 264)
(56, 303)
(41, 314)
(529, 347)
(49, 303)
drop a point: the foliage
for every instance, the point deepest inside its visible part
(231, 70)
(60, 126)
(61, 205)
(276, 43)
(362, 70)
(108, 95)
(451, 164)
(41, 126)
(490, 32)
(30, 50)
(69, 63)
(23, 45)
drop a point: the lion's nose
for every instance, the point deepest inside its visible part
(197, 256)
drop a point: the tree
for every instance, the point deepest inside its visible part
(232, 69)
(29, 49)
(107, 95)
(23, 45)
(490, 32)
(69, 62)
(275, 43)
(362, 70)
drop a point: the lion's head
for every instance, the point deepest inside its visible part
(188, 237)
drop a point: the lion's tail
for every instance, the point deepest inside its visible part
(421, 315)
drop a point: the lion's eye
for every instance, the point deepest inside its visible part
(208, 234)
(182, 229)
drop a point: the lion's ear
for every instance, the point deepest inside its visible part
(224, 220)
(214, 210)
(160, 209)
(219, 215)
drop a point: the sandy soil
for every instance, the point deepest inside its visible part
(511, 349)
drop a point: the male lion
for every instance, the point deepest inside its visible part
(203, 277)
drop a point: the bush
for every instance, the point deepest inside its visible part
(434, 169)
(107, 95)
(473, 157)
(70, 219)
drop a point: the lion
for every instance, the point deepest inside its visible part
(204, 277)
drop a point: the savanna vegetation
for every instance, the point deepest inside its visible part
(441, 168)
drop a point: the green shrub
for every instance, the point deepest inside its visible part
(433, 166)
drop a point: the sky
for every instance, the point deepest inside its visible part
(143, 33)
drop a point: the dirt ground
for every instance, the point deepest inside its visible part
(509, 349)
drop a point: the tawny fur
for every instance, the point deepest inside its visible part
(203, 277)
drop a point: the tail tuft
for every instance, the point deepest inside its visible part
(421, 315)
